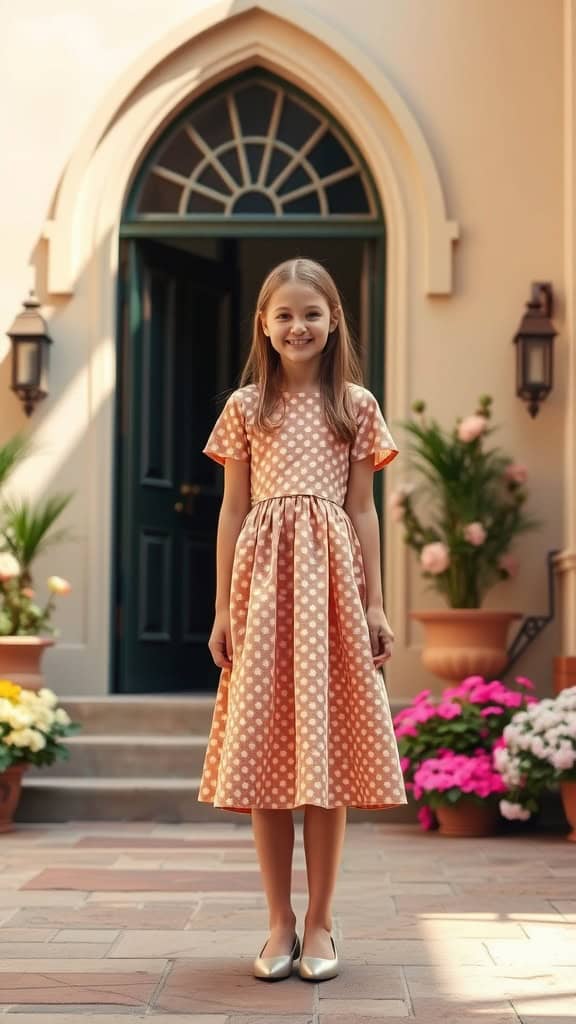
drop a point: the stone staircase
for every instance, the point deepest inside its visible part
(139, 759)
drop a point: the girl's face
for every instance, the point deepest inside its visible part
(298, 320)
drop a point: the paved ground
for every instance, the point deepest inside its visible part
(117, 923)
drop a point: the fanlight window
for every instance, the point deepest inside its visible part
(255, 150)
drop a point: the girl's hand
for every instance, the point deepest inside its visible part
(220, 642)
(381, 635)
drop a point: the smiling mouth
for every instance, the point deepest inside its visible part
(299, 344)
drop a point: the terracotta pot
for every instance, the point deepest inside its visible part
(460, 642)
(467, 818)
(568, 793)
(10, 787)
(564, 672)
(21, 657)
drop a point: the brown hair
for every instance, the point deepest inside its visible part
(339, 364)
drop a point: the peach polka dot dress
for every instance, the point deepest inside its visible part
(302, 716)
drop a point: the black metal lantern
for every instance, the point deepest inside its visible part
(30, 352)
(534, 341)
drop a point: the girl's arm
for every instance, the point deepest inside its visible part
(360, 507)
(233, 510)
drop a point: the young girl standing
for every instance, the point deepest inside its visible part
(301, 715)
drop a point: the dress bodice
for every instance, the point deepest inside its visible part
(302, 456)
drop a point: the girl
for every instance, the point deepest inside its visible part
(301, 715)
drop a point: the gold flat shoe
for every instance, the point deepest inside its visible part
(274, 967)
(317, 968)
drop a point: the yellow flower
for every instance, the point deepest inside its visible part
(10, 691)
(58, 585)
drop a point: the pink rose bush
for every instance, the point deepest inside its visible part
(538, 751)
(448, 744)
(474, 499)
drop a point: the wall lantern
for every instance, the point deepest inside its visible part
(534, 341)
(30, 351)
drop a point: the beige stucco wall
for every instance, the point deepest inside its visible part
(485, 84)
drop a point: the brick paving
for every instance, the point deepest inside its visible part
(130, 922)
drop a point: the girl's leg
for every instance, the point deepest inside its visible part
(274, 840)
(324, 830)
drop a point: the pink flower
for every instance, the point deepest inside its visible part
(524, 681)
(449, 709)
(404, 763)
(509, 563)
(28, 592)
(471, 774)
(492, 709)
(406, 730)
(517, 473)
(471, 427)
(426, 818)
(435, 557)
(421, 696)
(475, 533)
(471, 681)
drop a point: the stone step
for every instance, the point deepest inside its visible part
(60, 799)
(142, 715)
(128, 756)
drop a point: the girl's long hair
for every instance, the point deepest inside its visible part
(339, 364)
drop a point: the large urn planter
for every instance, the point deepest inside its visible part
(10, 788)
(460, 642)
(568, 794)
(21, 659)
(466, 817)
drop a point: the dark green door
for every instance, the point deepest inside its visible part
(176, 315)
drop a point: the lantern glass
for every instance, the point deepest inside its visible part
(535, 356)
(27, 367)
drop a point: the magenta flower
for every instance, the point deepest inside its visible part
(426, 818)
(491, 709)
(449, 709)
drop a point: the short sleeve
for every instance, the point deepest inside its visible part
(228, 438)
(373, 436)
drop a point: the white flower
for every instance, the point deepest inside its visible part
(563, 759)
(471, 427)
(516, 472)
(48, 696)
(19, 718)
(9, 567)
(538, 747)
(435, 557)
(475, 533)
(37, 741)
(62, 717)
(513, 811)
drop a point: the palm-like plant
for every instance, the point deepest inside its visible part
(474, 505)
(26, 530)
(12, 454)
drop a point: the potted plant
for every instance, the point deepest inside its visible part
(474, 498)
(538, 753)
(26, 530)
(447, 745)
(32, 726)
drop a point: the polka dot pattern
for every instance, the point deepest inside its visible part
(302, 717)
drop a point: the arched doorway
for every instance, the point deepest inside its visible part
(252, 172)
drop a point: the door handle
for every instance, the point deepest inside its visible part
(188, 492)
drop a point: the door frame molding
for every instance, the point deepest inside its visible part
(82, 238)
